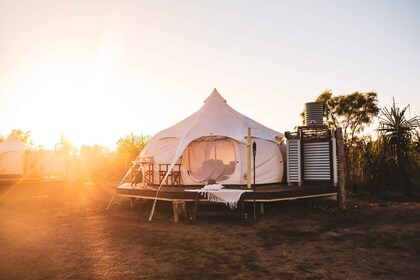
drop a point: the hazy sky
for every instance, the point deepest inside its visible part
(97, 70)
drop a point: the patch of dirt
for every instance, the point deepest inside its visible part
(62, 231)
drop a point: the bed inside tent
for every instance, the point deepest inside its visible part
(210, 159)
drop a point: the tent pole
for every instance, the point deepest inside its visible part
(254, 153)
(115, 192)
(248, 171)
(152, 211)
(248, 163)
(112, 199)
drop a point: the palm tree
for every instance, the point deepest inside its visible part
(397, 132)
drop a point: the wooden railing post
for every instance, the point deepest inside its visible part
(248, 158)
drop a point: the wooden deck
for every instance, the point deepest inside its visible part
(264, 193)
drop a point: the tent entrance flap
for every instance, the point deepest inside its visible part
(210, 158)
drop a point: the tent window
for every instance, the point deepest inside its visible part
(210, 159)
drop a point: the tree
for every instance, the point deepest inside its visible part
(352, 112)
(23, 136)
(94, 161)
(398, 132)
(416, 141)
(131, 145)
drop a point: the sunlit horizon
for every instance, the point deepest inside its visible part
(95, 72)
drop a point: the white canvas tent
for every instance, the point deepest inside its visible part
(211, 144)
(12, 153)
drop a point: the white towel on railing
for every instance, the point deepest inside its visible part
(212, 187)
(217, 193)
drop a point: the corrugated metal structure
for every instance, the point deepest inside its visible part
(317, 161)
(311, 156)
(293, 161)
(312, 151)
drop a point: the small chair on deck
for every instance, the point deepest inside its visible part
(174, 176)
(136, 173)
(142, 171)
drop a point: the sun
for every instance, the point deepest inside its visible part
(62, 91)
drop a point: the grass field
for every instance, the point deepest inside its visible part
(61, 230)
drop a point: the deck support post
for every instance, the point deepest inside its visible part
(342, 193)
(262, 208)
(244, 219)
(179, 207)
(194, 214)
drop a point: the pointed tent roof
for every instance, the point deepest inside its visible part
(214, 118)
(13, 143)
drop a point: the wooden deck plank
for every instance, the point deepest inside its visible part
(266, 193)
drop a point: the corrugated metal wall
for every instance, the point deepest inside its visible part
(316, 161)
(293, 161)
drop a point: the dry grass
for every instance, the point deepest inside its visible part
(62, 231)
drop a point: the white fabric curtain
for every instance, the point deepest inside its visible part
(210, 159)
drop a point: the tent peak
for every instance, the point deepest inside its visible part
(215, 95)
(12, 137)
(13, 143)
